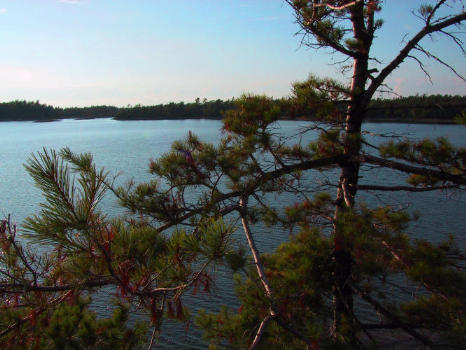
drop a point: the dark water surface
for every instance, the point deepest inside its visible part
(128, 146)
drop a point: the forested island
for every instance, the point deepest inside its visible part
(36, 111)
(413, 109)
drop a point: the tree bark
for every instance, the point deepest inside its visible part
(343, 293)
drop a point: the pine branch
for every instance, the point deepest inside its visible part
(309, 27)
(253, 186)
(403, 167)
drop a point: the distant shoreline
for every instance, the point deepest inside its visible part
(433, 109)
(370, 120)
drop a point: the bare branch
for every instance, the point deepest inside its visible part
(65, 287)
(404, 188)
(428, 29)
(152, 338)
(434, 10)
(456, 40)
(436, 58)
(337, 8)
(393, 318)
(19, 249)
(260, 331)
(181, 286)
(253, 248)
(422, 67)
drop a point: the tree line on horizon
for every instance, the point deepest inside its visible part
(425, 108)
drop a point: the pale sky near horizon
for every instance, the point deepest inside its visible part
(119, 52)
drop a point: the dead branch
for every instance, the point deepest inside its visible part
(404, 188)
(393, 318)
(403, 54)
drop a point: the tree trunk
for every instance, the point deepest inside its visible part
(343, 295)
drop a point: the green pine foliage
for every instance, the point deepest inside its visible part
(180, 226)
(140, 265)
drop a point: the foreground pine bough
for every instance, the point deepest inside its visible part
(342, 254)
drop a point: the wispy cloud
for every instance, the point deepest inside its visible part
(71, 1)
(266, 19)
(3, 10)
(399, 85)
(12, 74)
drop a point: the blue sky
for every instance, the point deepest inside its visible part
(119, 52)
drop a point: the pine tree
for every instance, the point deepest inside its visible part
(342, 253)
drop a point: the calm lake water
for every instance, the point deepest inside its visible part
(127, 147)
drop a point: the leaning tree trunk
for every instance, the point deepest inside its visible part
(343, 295)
